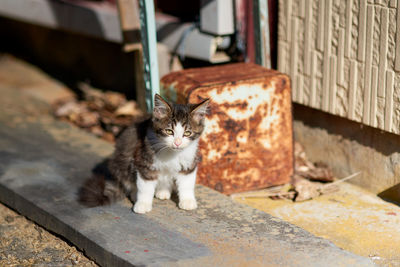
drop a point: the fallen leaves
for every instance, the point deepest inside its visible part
(104, 114)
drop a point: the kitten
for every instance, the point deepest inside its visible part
(153, 157)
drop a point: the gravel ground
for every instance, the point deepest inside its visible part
(24, 243)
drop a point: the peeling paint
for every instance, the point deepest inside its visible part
(247, 143)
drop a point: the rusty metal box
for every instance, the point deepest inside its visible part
(248, 140)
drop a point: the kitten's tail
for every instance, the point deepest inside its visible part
(97, 191)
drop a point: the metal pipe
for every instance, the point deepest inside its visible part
(149, 44)
(261, 33)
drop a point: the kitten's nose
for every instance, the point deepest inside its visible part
(177, 141)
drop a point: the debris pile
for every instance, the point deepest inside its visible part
(104, 114)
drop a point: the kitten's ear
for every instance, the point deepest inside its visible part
(161, 107)
(200, 110)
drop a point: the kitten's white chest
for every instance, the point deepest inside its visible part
(171, 162)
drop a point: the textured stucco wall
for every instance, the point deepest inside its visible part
(344, 57)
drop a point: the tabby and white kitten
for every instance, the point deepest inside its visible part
(154, 157)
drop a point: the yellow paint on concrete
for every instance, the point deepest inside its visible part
(351, 218)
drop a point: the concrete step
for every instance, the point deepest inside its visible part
(43, 162)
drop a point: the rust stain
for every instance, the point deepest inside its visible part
(190, 79)
(248, 141)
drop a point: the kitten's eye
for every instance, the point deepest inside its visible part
(169, 131)
(187, 133)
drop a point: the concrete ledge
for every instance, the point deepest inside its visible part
(43, 162)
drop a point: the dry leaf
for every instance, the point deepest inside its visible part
(87, 119)
(108, 137)
(97, 130)
(306, 190)
(130, 108)
(305, 168)
(89, 93)
(95, 104)
(68, 108)
(113, 100)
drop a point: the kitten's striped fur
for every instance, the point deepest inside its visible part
(153, 157)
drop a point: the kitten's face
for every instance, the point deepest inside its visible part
(176, 125)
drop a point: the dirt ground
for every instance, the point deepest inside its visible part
(24, 243)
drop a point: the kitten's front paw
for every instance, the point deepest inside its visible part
(163, 194)
(142, 207)
(188, 204)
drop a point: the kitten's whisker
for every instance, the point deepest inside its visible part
(157, 146)
(162, 149)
